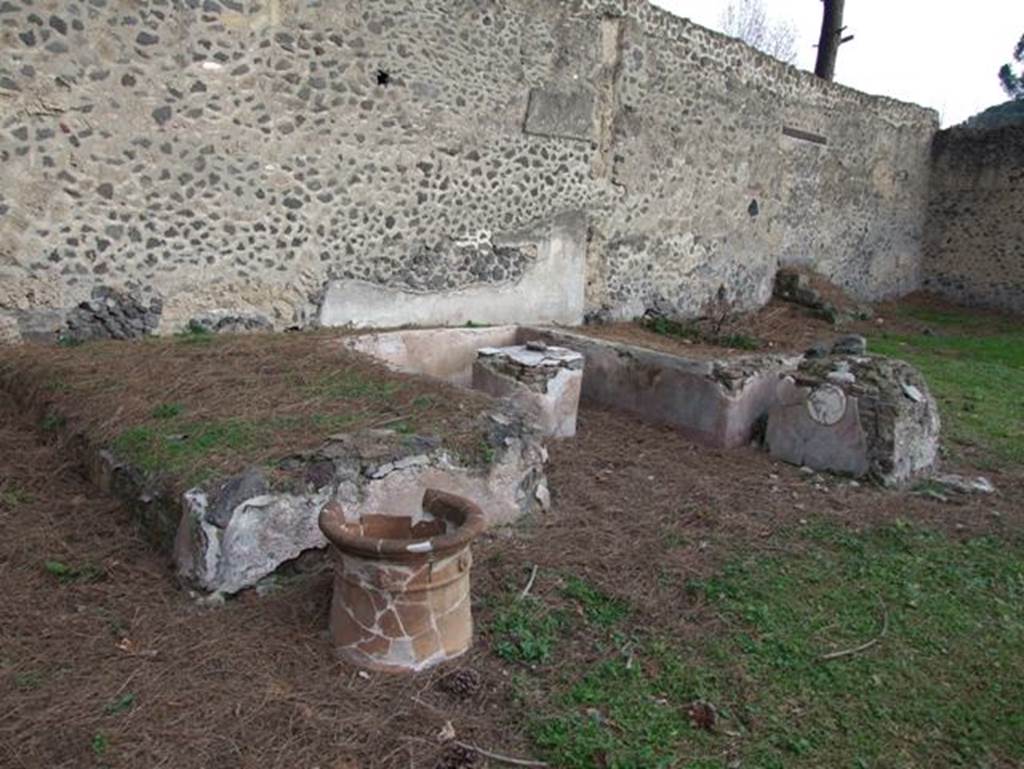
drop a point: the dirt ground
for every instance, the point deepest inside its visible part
(113, 665)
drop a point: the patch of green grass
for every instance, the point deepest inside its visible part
(695, 332)
(166, 411)
(525, 630)
(978, 382)
(349, 385)
(673, 328)
(180, 447)
(67, 573)
(952, 317)
(597, 606)
(939, 687)
(619, 714)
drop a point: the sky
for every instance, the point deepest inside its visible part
(942, 54)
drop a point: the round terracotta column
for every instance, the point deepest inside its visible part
(401, 584)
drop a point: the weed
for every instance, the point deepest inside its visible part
(525, 630)
(58, 385)
(195, 333)
(694, 331)
(66, 573)
(422, 402)
(121, 705)
(64, 340)
(12, 496)
(487, 452)
(166, 411)
(33, 679)
(739, 342)
(53, 422)
(100, 743)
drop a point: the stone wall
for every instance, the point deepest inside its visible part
(974, 252)
(425, 161)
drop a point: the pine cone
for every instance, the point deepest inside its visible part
(462, 683)
(458, 757)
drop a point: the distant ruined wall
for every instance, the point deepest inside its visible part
(974, 252)
(425, 161)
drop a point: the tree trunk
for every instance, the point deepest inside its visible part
(830, 40)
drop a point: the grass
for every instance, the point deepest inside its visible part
(978, 380)
(940, 688)
(525, 630)
(183, 448)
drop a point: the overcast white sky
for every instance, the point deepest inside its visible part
(942, 54)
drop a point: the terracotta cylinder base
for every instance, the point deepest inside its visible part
(401, 588)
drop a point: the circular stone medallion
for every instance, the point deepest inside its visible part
(826, 405)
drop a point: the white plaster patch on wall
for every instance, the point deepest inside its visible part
(551, 291)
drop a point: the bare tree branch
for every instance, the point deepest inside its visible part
(748, 20)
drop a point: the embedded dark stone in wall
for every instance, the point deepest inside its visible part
(161, 115)
(562, 114)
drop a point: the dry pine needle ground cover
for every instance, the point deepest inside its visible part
(198, 405)
(687, 608)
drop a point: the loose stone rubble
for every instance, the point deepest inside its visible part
(857, 415)
(401, 587)
(543, 381)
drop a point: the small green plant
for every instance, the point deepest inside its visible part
(66, 573)
(167, 411)
(12, 495)
(100, 743)
(195, 333)
(525, 630)
(66, 340)
(53, 422)
(739, 342)
(487, 452)
(32, 679)
(121, 705)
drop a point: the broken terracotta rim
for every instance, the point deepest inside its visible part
(350, 536)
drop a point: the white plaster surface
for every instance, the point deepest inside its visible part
(551, 291)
